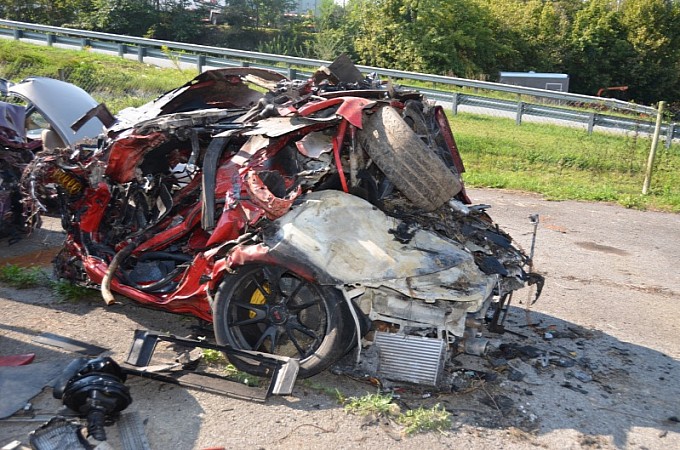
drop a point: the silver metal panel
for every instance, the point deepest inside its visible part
(410, 358)
(61, 104)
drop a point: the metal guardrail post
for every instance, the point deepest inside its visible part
(520, 111)
(141, 53)
(591, 123)
(122, 49)
(245, 64)
(670, 134)
(200, 62)
(84, 43)
(292, 73)
(454, 103)
(652, 151)
(18, 34)
(49, 39)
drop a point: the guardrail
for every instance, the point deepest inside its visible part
(204, 56)
(589, 119)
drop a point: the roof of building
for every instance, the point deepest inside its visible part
(534, 75)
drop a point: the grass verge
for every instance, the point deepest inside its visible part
(566, 164)
(22, 277)
(32, 277)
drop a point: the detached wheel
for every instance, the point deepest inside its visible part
(270, 309)
(406, 160)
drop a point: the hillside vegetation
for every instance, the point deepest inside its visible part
(559, 162)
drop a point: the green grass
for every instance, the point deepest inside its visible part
(118, 82)
(239, 376)
(413, 421)
(67, 291)
(564, 163)
(213, 357)
(217, 359)
(422, 420)
(32, 277)
(22, 277)
(332, 392)
(372, 404)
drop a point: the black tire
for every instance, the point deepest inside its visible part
(272, 310)
(415, 119)
(416, 171)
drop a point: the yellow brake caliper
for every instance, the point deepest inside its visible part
(258, 298)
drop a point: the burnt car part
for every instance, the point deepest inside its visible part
(414, 359)
(282, 371)
(95, 388)
(407, 161)
(270, 307)
(58, 434)
(425, 286)
(15, 154)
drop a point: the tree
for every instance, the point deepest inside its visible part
(174, 22)
(168, 20)
(381, 35)
(329, 39)
(534, 32)
(132, 17)
(600, 54)
(236, 13)
(270, 13)
(49, 12)
(439, 36)
(653, 31)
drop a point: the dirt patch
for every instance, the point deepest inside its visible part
(41, 257)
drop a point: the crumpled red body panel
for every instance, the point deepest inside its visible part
(94, 207)
(260, 195)
(351, 108)
(126, 153)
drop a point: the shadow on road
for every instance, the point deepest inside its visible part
(559, 376)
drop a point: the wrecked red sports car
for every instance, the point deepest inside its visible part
(300, 218)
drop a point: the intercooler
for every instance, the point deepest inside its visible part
(414, 359)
